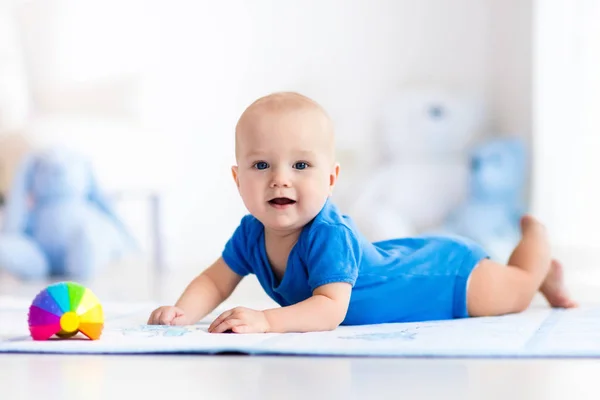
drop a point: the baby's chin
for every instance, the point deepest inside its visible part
(284, 223)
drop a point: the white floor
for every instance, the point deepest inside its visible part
(32, 376)
(243, 377)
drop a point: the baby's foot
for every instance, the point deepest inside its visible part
(530, 224)
(553, 288)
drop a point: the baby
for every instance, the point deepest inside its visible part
(316, 265)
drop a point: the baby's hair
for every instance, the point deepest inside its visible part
(282, 102)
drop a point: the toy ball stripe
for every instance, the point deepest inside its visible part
(65, 309)
(60, 293)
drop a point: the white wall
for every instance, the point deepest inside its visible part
(566, 190)
(509, 66)
(14, 98)
(184, 70)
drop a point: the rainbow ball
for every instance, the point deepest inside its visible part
(65, 309)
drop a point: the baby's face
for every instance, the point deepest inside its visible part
(285, 170)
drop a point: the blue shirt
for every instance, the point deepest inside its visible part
(397, 280)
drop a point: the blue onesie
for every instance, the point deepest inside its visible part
(398, 280)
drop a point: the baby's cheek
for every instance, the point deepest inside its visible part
(252, 197)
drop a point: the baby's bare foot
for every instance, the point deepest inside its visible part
(554, 290)
(529, 223)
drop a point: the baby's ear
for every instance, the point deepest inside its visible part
(333, 176)
(234, 173)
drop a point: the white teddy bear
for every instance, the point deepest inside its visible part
(422, 170)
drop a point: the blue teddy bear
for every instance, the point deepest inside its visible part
(56, 220)
(491, 213)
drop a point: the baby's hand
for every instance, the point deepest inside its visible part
(240, 320)
(168, 315)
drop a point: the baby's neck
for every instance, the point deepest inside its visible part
(282, 236)
(278, 246)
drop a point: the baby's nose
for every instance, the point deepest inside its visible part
(281, 179)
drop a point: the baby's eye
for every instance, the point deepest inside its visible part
(301, 165)
(261, 165)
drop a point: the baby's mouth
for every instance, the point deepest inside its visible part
(281, 201)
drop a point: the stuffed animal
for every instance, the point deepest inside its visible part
(421, 172)
(56, 220)
(491, 213)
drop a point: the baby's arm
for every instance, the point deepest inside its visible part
(323, 311)
(201, 296)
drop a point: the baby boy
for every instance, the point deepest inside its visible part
(313, 261)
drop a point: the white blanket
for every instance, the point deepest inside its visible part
(538, 332)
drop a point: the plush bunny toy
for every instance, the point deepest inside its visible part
(56, 222)
(495, 204)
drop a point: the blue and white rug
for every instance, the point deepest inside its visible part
(538, 332)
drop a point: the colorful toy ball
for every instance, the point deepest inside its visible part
(64, 309)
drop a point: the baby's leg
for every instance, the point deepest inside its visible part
(496, 289)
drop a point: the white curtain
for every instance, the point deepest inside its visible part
(566, 121)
